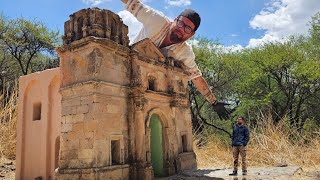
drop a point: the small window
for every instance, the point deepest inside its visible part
(152, 84)
(184, 143)
(37, 111)
(115, 152)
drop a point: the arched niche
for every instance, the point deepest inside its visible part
(168, 136)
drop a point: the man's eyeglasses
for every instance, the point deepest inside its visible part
(181, 24)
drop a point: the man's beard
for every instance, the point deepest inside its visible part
(174, 38)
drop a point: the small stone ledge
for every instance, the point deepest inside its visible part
(92, 170)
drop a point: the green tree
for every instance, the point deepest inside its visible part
(25, 40)
(25, 47)
(283, 77)
(220, 68)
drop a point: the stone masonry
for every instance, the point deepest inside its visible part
(110, 95)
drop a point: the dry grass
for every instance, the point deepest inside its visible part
(269, 146)
(8, 119)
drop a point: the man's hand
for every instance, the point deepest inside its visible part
(222, 112)
(124, 1)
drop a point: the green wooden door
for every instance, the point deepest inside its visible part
(156, 145)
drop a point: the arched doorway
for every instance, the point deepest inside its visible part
(156, 144)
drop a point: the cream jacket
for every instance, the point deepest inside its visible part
(155, 27)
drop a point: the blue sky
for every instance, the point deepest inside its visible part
(236, 23)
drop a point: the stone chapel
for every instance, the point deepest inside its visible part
(110, 111)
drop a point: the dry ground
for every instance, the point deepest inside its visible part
(7, 168)
(7, 171)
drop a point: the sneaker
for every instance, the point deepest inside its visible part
(234, 173)
(244, 172)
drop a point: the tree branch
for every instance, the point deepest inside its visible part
(204, 120)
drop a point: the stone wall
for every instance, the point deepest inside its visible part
(109, 92)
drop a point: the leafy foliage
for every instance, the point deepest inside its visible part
(280, 79)
(25, 47)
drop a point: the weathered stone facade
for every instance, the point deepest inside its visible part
(110, 94)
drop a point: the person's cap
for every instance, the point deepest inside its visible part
(193, 16)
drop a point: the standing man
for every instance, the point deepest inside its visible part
(170, 38)
(240, 139)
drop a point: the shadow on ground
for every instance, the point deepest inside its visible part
(264, 173)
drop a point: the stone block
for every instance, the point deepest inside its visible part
(68, 119)
(89, 116)
(99, 108)
(71, 102)
(86, 100)
(102, 130)
(89, 135)
(65, 110)
(69, 145)
(115, 172)
(66, 128)
(90, 126)
(72, 136)
(87, 142)
(67, 92)
(74, 163)
(73, 110)
(186, 161)
(82, 109)
(69, 154)
(78, 118)
(98, 98)
(67, 176)
(101, 144)
(87, 162)
(78, 130)
(100, 147)
(113, 108)
(78, 127)
(88, 176)
(85, 153)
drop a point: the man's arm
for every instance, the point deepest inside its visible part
(201, 84)
(247, 136)
(149, 17)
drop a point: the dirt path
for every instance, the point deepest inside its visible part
(7, 169)
(267, 173)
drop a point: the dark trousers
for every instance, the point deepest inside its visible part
(242, 150)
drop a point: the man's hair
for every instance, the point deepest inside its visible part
(193, 16)
(242, 118)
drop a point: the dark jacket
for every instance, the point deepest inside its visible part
(240, 135)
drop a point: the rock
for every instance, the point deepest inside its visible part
(9, 163)
(282, 165)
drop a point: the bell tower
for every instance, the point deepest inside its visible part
(95, 79)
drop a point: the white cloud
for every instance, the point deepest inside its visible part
(218, 47)
(234, 35)
(178, 2)
(145, 1)
(133, 24)
(94, 2)
(233, 48)
(193, 42)
(282, 18)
